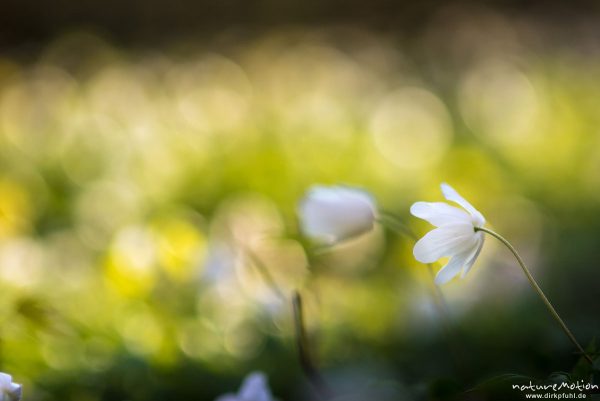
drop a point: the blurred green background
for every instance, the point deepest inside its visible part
(144, 157)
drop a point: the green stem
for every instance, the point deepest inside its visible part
(306, 362)
(537, 288)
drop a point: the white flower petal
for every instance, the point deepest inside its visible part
(473, 257)
(336, 213)
(255, 388)
(15, 393)
(439, 213)
(451, 269)
(5, 380)
(448, 240)
(9, 391)
(451, 194)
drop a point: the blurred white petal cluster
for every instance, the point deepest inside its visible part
(333, 214)
(254, 388)
(9, 391)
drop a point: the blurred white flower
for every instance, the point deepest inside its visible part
(9, 391)
(254, 388)
(333, 214)
(454, 237)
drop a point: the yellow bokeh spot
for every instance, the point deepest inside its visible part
(130, 263)
(15, 208)
(180, 246)
(143, 333)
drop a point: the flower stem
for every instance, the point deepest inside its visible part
(306, 361)
(537, 288)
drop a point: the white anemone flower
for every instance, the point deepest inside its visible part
(254, 388)
(455, 236)
(9, 391)
(336, 213)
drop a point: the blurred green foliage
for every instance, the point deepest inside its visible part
(135, 183)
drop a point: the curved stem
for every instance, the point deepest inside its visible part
(306, 361)
(537, 288)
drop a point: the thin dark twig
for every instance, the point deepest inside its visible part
(306, 361)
